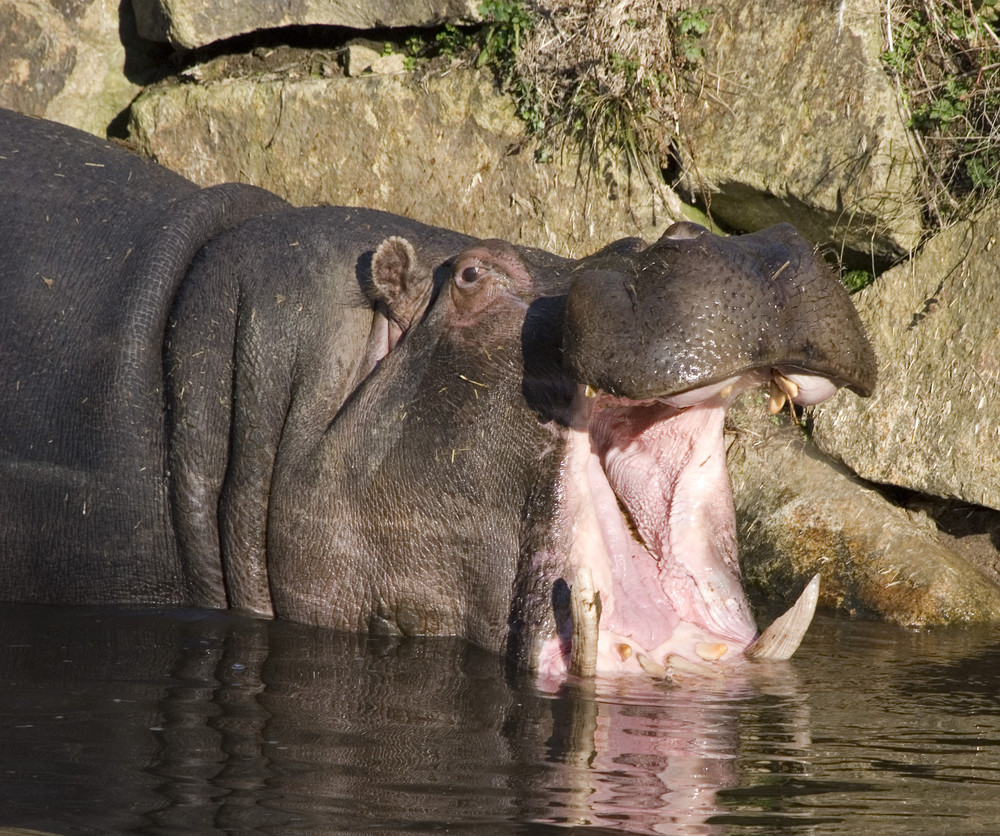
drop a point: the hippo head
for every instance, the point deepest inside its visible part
(535, 458)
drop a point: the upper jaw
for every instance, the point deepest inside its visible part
(651, 562)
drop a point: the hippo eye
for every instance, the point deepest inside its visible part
(470, 275)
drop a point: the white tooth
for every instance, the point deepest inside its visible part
(651, 666)
(782, 638)
(585, 605)
(679, 664)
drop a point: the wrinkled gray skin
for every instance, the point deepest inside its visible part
(336, 415)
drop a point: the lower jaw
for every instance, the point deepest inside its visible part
(625, 619)
(595, 649)
(617, 656)
(689, 655)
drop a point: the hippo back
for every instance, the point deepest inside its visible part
(94, 243)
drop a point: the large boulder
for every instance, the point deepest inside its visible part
(192, 23)
(934, 423)
(798, 514)
(446, 149)
(798, 122)
(66, 61)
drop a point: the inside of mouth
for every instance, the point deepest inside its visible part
(674, 580)
(663, 557)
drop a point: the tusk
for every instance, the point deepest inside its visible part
(585, 605)
(782, 638)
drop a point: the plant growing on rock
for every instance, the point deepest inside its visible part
(945, 56)
(608, 73)
(605, 74)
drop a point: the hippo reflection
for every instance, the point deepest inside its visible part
(347, 418)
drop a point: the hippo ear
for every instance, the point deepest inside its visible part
(683, 230)
(401, 286)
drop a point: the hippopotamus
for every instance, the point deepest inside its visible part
(351, 419)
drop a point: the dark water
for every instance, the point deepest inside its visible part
(205, 723)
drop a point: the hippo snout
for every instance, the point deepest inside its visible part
(695, 308)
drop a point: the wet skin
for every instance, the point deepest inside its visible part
(348, 418)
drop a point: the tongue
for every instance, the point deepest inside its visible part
(671, 476)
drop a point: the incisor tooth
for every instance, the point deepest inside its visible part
(711, 651)
(788, 386)
(651, 666)
(678, 664)
(781, 388)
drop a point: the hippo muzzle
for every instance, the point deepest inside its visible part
(660, 341)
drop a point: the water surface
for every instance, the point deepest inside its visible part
(195, 722)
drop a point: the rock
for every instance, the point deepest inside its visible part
(934, 423)
(359, 59)
(448, 150)
(192, 23)
(66, 61)
(798, 122)
(798, 514)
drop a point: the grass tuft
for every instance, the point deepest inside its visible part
(945, 57)
(608, 73)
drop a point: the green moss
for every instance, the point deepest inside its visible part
(855, 280)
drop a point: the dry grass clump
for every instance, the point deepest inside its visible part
(945, 55)
(607, 72)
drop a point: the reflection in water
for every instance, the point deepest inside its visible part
(203, 722)
(651, 758)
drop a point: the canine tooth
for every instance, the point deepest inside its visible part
(585, 604)
(788, 386)
(711, 651)
(781, 388)
(590, 391)
(651, 666)
(726, 392)
(624, 650)
(782, 638)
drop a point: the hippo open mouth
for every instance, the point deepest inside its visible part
(653, 578)
(657, 586)
(655, 583)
